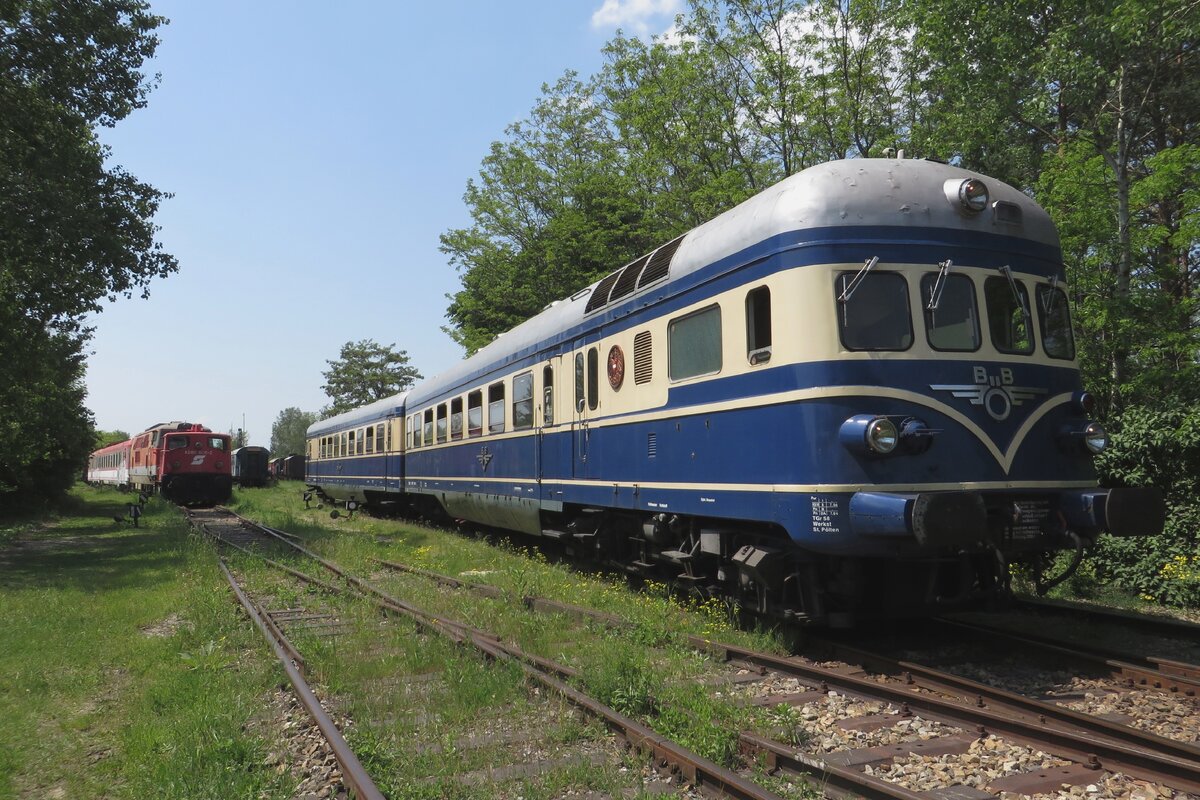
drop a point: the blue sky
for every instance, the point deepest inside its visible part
(315, 152)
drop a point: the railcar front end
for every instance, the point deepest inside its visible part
(854, 394)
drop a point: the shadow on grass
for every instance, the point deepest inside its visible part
(100, 554)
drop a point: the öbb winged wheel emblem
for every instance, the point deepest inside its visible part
(484, 458)
(995, 393)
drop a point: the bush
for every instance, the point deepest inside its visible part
(1151, 447)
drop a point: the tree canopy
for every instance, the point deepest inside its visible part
(76, 230)
(364, 372)
(287, 433)
(1092, 107)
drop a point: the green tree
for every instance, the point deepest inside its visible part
(105, 438)
(76, 230)
(288, 431)
(364, 372)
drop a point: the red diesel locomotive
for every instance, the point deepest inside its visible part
(185, 462)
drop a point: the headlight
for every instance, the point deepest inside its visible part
(1095, 437)
(970, 195)
(882, 436)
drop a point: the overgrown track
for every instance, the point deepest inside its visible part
(694, 770)
(1085, 749)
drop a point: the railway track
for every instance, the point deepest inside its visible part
(1083, 749)
(896, 731)
(690, 771)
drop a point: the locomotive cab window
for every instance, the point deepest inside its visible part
(694, 344)
(216, 443)
(496, 408)
(176, 442)
(1057, 338)
(873, 315)
(475, 413)
(522, 401)
(954, 323)
(1008, 315)
(758, 325)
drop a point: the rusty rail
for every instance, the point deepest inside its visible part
(353, 772)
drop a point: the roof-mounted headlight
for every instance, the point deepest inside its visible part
(969, 195)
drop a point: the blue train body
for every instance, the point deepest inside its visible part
(856, 391)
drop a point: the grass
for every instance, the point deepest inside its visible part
(125, 668)
(646, 670)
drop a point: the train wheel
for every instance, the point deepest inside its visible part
(334, 514)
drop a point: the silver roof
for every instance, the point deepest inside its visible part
(848, 193)
(387, 407)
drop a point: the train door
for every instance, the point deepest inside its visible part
(555, 451)
(586, 370)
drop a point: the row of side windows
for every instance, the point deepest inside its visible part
(446, 422)
(367, 440)
(109, 461)
(694, 342)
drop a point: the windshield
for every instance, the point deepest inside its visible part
(1008, 320)
(874, 316)
(954, 324)
(1057, 337)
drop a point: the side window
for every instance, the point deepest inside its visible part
(874, 315)
(361, 441)
(352, 439)
(344, 439)
(522, 401)
(427, 436)
(475, 413)
(496, 408)
(1058, 339)
(1008, 316)
(758, 325)
(593, 377)
(694, 343)
(441, 422)
(456, 418)
(579, 382)
(410, 436)
(954, 324)
(547, 395)
(370, 438)
(380, 441)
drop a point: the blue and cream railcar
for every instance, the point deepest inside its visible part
(356, 456)
(856, 391)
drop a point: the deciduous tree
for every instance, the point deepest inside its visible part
(288, 432)
(364, 372)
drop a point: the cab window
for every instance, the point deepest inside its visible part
(176, 442)
(1057, 338)
(954, 323)
(1008, 317)
(873, 315)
